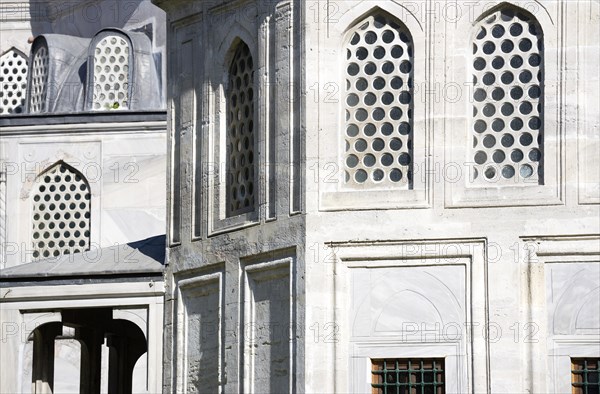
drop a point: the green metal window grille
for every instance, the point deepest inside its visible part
(407, 376)
(585, 374)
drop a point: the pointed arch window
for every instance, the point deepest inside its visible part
(38, 86)
(508, 98)
(379, 104)
(111, 72)
(61, 212)
(13, 80)
(241, 142)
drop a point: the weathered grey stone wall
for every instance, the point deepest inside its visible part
(247, 268)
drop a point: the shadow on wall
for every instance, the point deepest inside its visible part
(84, 19)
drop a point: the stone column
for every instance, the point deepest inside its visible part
(91, 359)
(124, 353)
(119, 380)
(43, 357)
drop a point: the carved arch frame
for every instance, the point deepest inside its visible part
(223, 53)
(333, 196)
(461, 192)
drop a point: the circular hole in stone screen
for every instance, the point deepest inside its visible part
(480, 157)
(396, 175)
(370, 129)
(379, 53)
(498, 125)
(387, 129)
(508, 172)
(387, 159)
(479, 64)
(352, 130)
(498, 156)
(360, 145)
(352, 100)
(378, 175)
(489, 110)
(370, 68)
(360, 176)
(507, 140)
(526, 171)
(369, 160)
(361, 84)
(378, 114)
(353, 69)
(378, 144)
(480, 126)
(488, 79)
(351, 161)
(362, 53)
(378, 83)
(370, 99)
(361, 115)
(490, 172)
(489, 141)
(516, 155)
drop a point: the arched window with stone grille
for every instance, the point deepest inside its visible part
(13, 82)
(61, 201)
(508, 98)
(378, 103)
(38, 77)
(241, 141)
(112, 59)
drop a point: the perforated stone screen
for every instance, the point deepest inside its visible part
(39, 80)
(111, 74)
(13, 82)
(507, 125)
(61, 213)
(240, 133)
(379, 99)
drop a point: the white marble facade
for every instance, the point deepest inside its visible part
(388, 222)
(82, 196)
(347, 181)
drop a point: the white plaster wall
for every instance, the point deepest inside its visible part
(125, 165)
(125, 171)
(573, 291)
(503, 227)
(67, 353)
(17, 19)
(409, 308)
(138, 302)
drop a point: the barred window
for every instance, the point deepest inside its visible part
(13, 82)
(585, 375)
(507, 125)
(111, 73)
(39, 80)
(61, 212)
(240, 133)
(379, 101)
(408, 376)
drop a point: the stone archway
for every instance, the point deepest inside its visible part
(92, 328)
